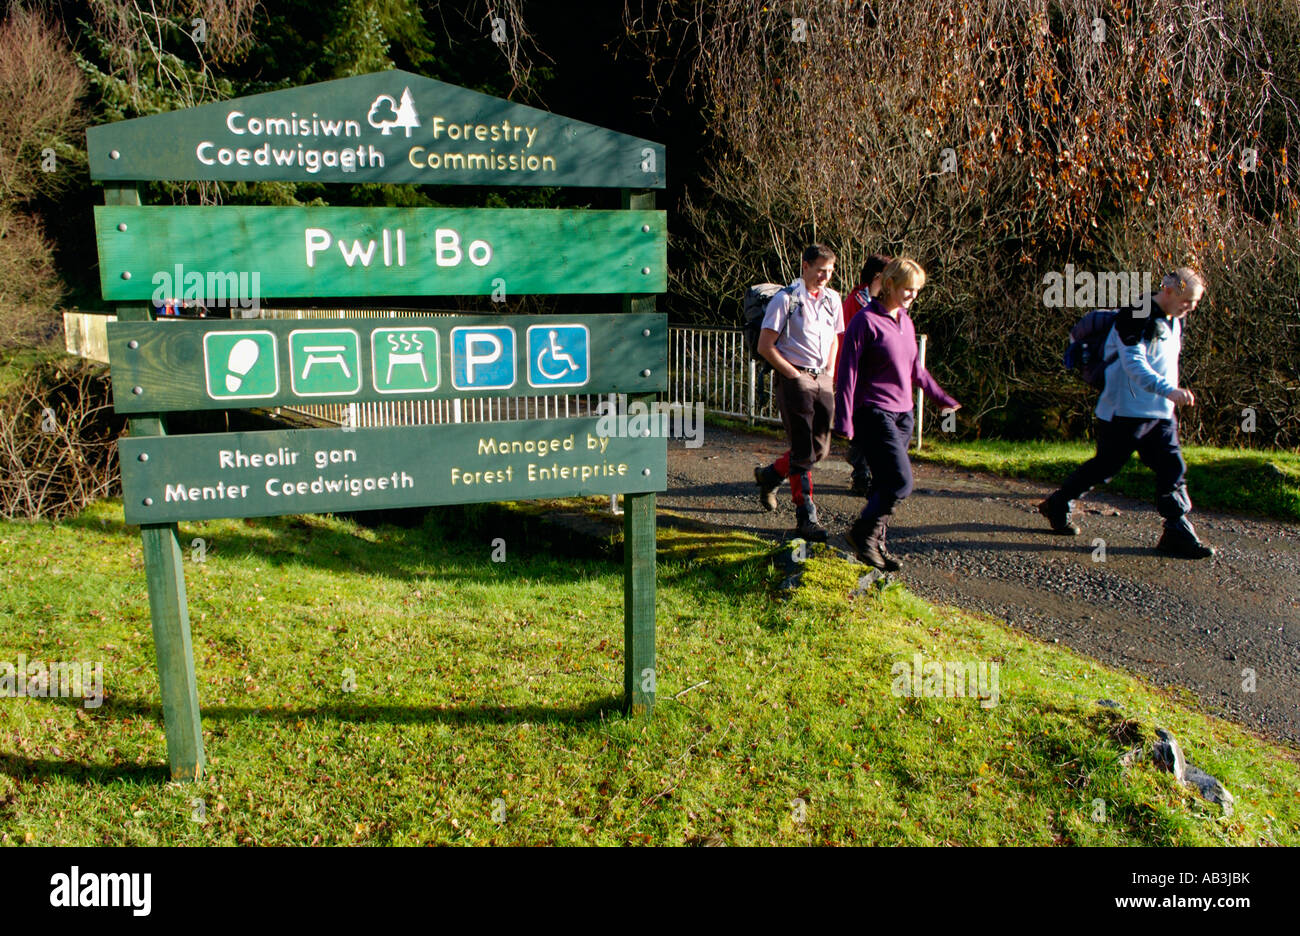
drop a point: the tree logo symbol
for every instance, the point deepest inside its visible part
(385, 113)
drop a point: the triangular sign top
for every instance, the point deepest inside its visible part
(389, 126)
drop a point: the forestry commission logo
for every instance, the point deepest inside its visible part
(385, 113)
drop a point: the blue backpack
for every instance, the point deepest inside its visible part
(1088, 344)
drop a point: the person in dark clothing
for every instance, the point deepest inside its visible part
(1136, 414)
(867, 289)
(873, 402)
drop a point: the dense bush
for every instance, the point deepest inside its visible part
(58, 440)
(996, 141)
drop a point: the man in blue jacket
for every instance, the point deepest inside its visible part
(1136, 413)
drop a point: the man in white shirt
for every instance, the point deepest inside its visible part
(799, 339)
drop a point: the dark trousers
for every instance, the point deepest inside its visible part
(807, 404)
(1156, 443)
(858, 459)
(883, 438)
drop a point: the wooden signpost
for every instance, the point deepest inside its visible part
(390, 126)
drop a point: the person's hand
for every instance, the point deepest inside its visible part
(1183, 397)
(950, 409)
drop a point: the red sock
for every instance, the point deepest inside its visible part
(797, 490)
(782, 465)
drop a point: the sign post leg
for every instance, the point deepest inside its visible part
(639, 677)
(639, 557)
(165, 576)
(171, 636)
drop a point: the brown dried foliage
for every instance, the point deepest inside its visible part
(58, 441)
(1108, 134)
(30, 287)
(139, 33)
(40, 87)
(40, 120)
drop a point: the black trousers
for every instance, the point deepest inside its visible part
(883, 437)
(1156, 443)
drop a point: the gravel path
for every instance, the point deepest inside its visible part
(976, 541)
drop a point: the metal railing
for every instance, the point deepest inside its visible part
(711, 366)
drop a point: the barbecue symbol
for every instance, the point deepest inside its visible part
(405, 356)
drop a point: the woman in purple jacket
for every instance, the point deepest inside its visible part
(878, 366)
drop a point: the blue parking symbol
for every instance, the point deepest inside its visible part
(483, 358)
(558, 355)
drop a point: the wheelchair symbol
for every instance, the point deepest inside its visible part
(559, 355)
(556, 352)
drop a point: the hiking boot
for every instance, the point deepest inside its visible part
(865, 540)
(766, 489)
(1059, 517)
(808, 527)
(892, 562)
(1183, 546)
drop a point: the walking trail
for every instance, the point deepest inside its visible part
(976, 541)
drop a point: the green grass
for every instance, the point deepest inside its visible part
(16, 363)
(484, 686)
(1264, 482)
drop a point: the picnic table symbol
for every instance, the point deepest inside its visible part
(336, 358)
(325, 362)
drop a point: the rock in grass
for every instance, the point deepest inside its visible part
(1211, 789)
(1168, 755)
(874, 578)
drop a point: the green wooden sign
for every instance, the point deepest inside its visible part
(297, 471)
(234, 255)
(387, 127)
(390, 126)
(212, 364)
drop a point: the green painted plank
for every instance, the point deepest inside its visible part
(639, 556)
(640, 679)
(172, 365)
(300, 471)
(169, 611)
(389, 126)
(253, 252)
(168, 606)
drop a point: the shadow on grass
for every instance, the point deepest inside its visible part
(44, 768)
(461, 542)
(593, 710)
